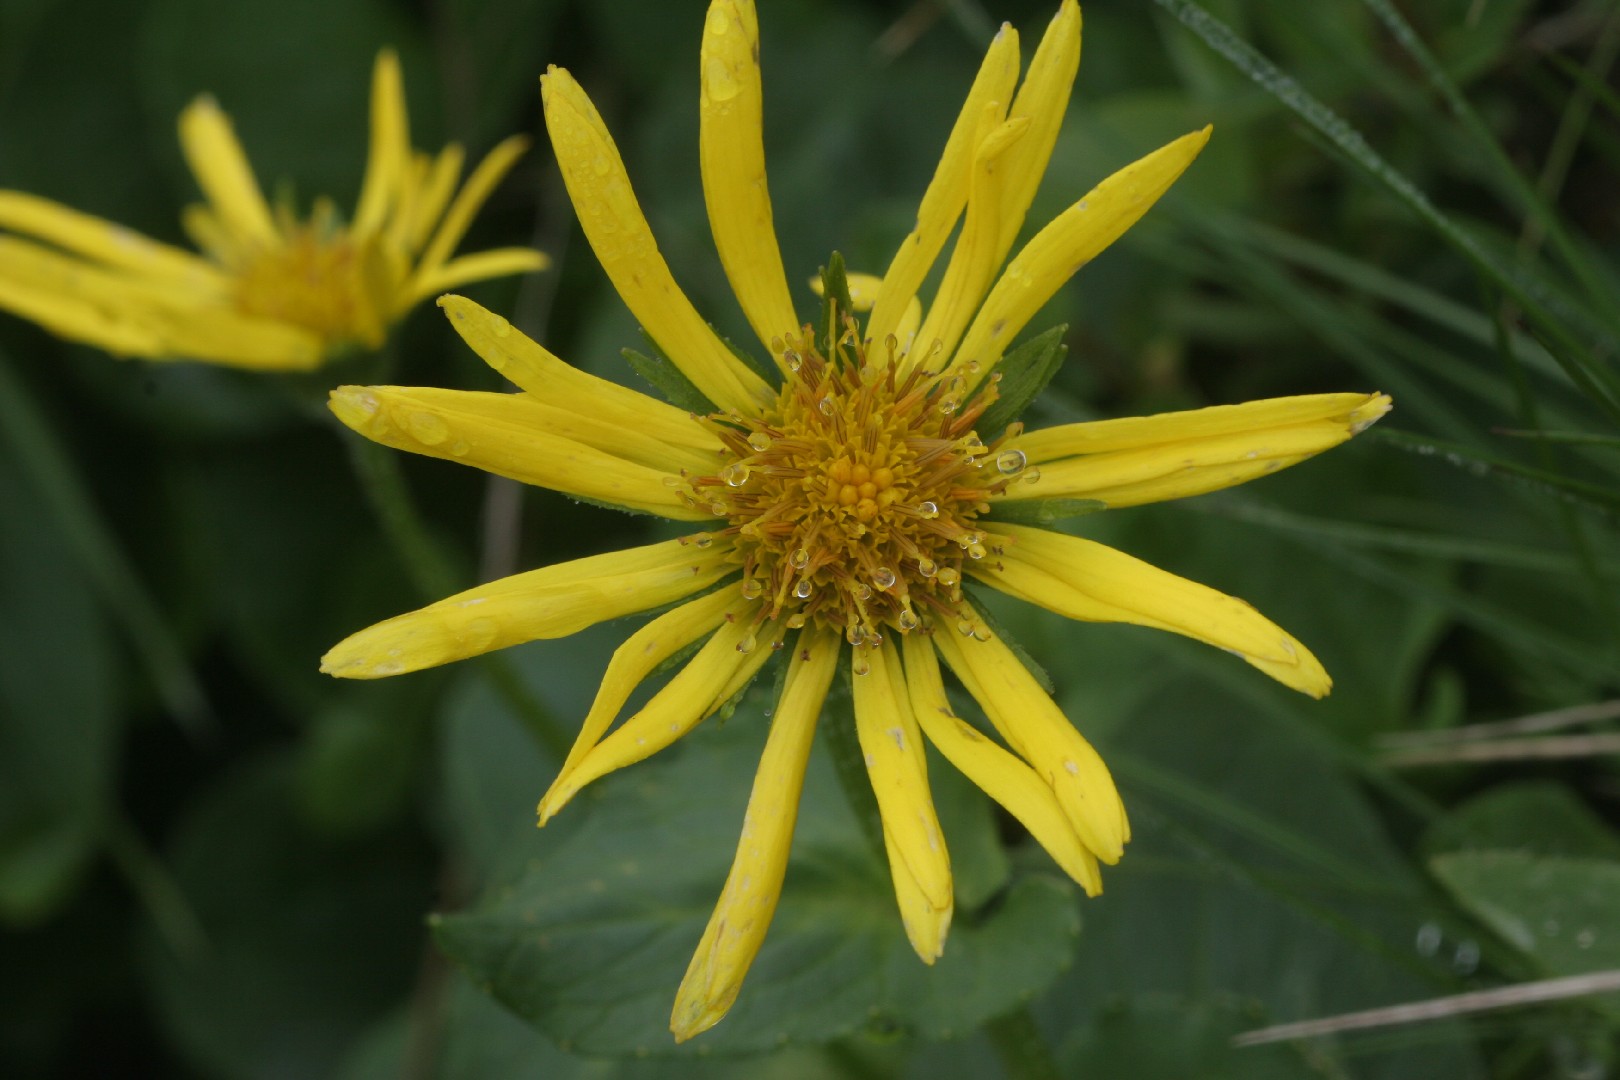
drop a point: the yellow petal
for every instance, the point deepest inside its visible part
(155, 317)
(1000, 775)
(223, 173)
(437, 188)
(1067, 243)
(1175, 468)
(947, 192)
(1138, 432)
(551, 602)
(1038, 731)
(508, 435)
(637, 658)
(892, 746)
(479, 267)
(618, 233)
(76, 319)
(1042, 101)
(748, 901)
(1085, 580)
(220, 335)
(529, 365)
(976, 255)
(106, 242)
(201, 224)
(732, 153)
(390, 152)
(472, 196)
(736, 652)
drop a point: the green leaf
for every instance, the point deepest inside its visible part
(308, 942)
(1558, 910)
(1166, 1037)
(592, 942)
(1024, 374)
(670, 381)
(1041, 512)
(1536, 817)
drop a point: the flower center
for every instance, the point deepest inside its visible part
(852, 501)
(315, 279)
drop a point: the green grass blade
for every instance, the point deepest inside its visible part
(1579, 492)
(1531, 201)
(1360, 535)
(1595, 378)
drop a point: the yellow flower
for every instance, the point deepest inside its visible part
(845, 508)
(271, 292)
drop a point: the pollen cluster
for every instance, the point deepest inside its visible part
(852, 501)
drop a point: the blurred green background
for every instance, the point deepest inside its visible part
(216, 862)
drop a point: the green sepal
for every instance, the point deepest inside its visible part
(1024, 374)
(970, 592)
(1041, 512)
(669, 380)
(835, 305)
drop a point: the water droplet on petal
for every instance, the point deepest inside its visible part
(701, 539)
(802, 589)
(861, 591)
(1031, 475)
(427, 428)
(746, 645)
(928, 509)
(908, 620)
(927, 567)
(760, 441)
(795, 620)
(860, 664)
(1010, 462)
(826, 406)
(883, 578)
(948, 576)
(1428, 939)
(799, 559)
(976, 551)
(752, 588)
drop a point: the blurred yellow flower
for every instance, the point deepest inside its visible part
(270, 292)
(844, 508)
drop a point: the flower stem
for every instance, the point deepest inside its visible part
(46, 464)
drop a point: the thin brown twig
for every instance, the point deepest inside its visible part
(1502, 997)
(1590, 713)
(1540, 748)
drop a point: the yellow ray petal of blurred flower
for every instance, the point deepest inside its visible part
(844, 507)
(270, 291)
